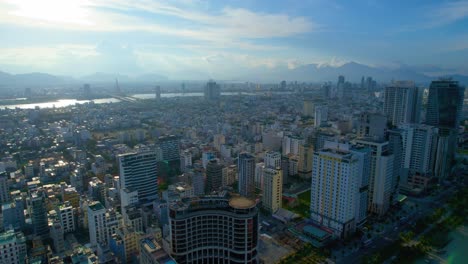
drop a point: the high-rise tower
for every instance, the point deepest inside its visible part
(402, 102)
(246, 165)
(138, 171)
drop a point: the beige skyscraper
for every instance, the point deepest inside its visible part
(272, 189)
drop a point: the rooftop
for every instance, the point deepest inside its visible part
(96, 206)
(241, 203)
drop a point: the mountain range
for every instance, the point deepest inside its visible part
(306, 73)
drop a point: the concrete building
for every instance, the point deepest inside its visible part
(372, 125)
(444, 111)
(151, 252)
(335, 195)
(229, 175)
(56, 234)
(13, 215)
(218, 141)
(97, 224)
(4, 188)
(381, 189)
(38, 214)
(246, 167)
(185, 160)
(170, 147)
(290, 145)
(65, 213)
(320, 115)
(214, 176)
(305, 157)
(124, 243)
(12, 247)
(418, 154)
(272, 159)
(308, 108)
(402, 102)
(192, 240)
(138, 171)
(272, 191)
(212, 91)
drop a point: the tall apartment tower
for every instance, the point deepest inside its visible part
(212, 91)
(272, 159)
(290, 144)
(418, 153)
(272, 191)
(138, 171)
(402, 102)
(213, 230)
(214, 176)
(170, 147)
(246, 167)
(97, 224)
(382, 176)
(4, 189)
(321, 115)
(304, 166)
(39, 215)
(335, 190)
(444, 110)
(308, 108)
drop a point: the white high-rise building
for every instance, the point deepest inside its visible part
(402, 102)
(66, 216)
(185, 160)
(419, 145)
(417, 155)
(246, 166)
(259, 168)
(272, 191)
(272, 159)
(321, 115)
(97, 224)
(138, 171)
(290, 144)
(382, 173)
(335, 197)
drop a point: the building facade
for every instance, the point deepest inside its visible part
(138, 171)
(246, 166)
(272, 191)
(214, 229)
(402, 102)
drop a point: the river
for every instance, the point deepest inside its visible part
(70, 102)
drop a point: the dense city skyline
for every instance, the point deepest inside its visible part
(234, 132)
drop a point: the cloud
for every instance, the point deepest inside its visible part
(103, 15)
(449, 12)
(333, 62)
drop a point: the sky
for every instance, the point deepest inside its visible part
(187, 39)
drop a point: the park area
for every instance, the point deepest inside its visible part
(300, 206)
